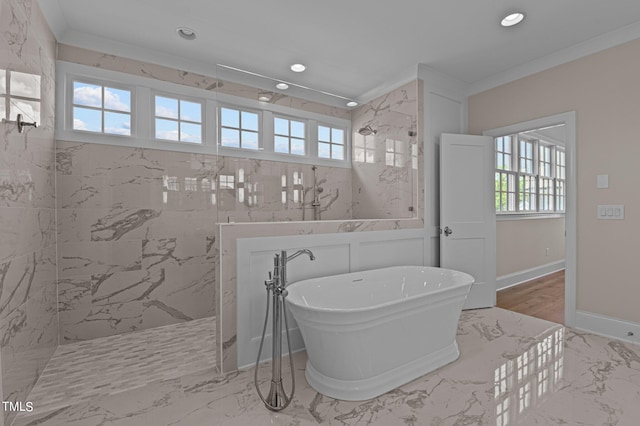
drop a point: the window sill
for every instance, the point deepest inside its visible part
(528, 216)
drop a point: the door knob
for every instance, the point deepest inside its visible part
(447, 231)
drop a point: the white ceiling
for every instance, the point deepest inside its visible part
(349, 46)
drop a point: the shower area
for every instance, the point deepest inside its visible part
(145, 238)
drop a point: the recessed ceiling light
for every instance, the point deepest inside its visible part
(298, 68)
(512, 19)
(352, 104)
(186, 33)
(264, 98)
(282, 86)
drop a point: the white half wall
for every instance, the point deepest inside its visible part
(335, 254)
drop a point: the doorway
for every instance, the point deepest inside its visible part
(524, 296)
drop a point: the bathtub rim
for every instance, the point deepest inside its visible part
(381, 305)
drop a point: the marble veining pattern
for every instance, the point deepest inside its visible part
(28, 314)
(85, 370)
(390, 158)
(513, 370)
(159, 72)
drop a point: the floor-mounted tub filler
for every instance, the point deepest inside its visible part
(368, 332)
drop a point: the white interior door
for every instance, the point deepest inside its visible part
(467, 213)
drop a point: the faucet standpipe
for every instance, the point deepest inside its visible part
(277, 398)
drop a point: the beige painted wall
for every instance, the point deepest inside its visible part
(604, 90)
(522, 244)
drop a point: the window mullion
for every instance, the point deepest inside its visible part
(268, 132)
(210, 137)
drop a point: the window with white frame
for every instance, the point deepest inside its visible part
(289, 136)
(331, 142)
(239, 128)
(19, 94)
(560, 176)
(529, 175)
(177, 119)
(527, 184)
(108, 107)
(101, 108)
(505, 175)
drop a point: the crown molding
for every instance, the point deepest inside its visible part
(571, 53)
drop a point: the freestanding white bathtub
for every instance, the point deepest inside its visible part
(369, 332)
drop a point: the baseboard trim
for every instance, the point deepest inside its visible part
(607, 326)
(520, 277)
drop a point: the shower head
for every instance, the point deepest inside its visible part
(367, 130)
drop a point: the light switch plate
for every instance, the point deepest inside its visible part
(602, 181)
(610, 211)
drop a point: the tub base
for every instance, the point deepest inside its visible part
(372, 387)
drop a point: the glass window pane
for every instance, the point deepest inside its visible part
(167, 129)
(167, 107)
(324, 134)
(29, 109)
(117, 124)
(117, 99)
(191, 111)
(297, 129)
(230, 118)
(190, 132)
(3, 82)
(281, 126)
(230, 137)
(281, 144)
(89, 120)
(337, 136)
(324, 150)
(297, 146)
(87, 94)
(23, 84)
(337, 152)
(3, 109)
(250, 140)
(249, 121)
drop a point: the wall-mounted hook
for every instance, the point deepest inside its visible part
(22, 124)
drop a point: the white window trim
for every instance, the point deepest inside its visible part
(164, 94)
(143, 118)
(289, 136)
(524, 215)
(260, 130)
(330, 126)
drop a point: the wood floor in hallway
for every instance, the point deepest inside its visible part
(541, 298)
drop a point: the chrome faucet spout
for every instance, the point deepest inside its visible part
(299, 252)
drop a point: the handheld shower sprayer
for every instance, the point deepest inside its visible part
(277, 399)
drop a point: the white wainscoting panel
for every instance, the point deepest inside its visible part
(335, 254)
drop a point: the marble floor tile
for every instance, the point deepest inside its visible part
(82, 371)
(513, 370)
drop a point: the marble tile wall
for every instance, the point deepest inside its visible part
(123, 213)
(28, 314)
(136, 239)
(385, 174)
(159, 72)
